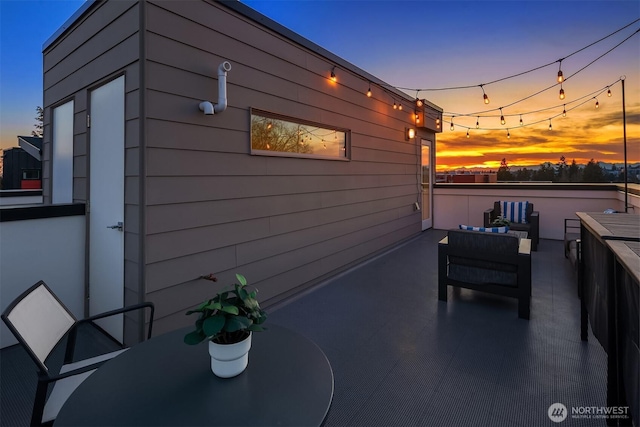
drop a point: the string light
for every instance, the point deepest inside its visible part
(521, 122)
(608, 92)
(597, 103)
(485, 97)
(417, 117)
(451, 127)
(419, 103)
(395, 106)
(333, 74)
(369, 91)
(400, 106)
(478, 123)
(561, 92)
(508, 134)
(564, 111)
(467, 133)
(502, 120)
(438, 123)
(550, 127)
(560, 76)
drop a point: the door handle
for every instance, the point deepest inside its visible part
(119, 226)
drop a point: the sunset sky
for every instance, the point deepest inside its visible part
(429, 44)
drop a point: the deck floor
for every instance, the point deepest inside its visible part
(400, 357)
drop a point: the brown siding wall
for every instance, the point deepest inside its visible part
(282, 222)
(103, 43)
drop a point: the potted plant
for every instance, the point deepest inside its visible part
(501, 221)
(227, 321)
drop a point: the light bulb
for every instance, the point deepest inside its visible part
(521, 122)
(508, 134)
(438, 121)
(400, 107)
(478, 123)
(560, 76)
(561, 93)
(609, 93)
(451, 127)
(597, 104)
(564, 111)
(395, 106)
(550, 127)
(486, 98)
(333, 76)
(467, 133)
(419, 102)
(502, 120)
(369, 92)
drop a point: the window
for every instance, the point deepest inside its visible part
(272, 135)
(31, 174)
(62, 157)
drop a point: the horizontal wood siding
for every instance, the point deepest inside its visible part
(285, 223)
(100, 45)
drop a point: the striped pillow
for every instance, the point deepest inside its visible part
(484, 229)
(515, 211)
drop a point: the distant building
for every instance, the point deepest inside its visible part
(22, 166)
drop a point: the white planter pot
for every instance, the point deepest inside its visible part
(229, 360)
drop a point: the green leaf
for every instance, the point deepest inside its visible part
(231, 309)
(241, 279)
(243, 294)
(193, 338)
(237, 323)
(213, 306)
(213, 325)
(255, 328)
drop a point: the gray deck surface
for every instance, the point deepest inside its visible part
(400, 357)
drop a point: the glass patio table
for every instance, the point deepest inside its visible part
(162, 381)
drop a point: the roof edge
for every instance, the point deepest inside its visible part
(68, 23)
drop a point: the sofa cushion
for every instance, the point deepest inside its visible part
(484, 229)
(514, 211)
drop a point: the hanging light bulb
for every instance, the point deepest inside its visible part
(508, 134)
(395, 106)
(419, 103)
(564, 111)
(597, 103)
(561, 92)
(417, 117)
(467, 133)
(550, 127)
(608, 92)
(399, 106)
(369, 91)
(451, 127)
(484, 95)
(437, 123)
(478, 123)
(560, 76)
(333, 74)
(521, 122)
(502, 120)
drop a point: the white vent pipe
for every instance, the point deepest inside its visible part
(207, 106)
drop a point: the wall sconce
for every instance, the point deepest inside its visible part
(409, 134)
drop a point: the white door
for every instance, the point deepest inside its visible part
(427, 185)
(106, 204)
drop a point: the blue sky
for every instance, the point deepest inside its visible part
(412, 44)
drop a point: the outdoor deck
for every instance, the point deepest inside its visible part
(402, 358)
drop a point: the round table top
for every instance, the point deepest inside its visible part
(162, 381)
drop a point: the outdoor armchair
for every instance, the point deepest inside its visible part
(40, 321)
(522, 218)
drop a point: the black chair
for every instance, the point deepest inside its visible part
(531, 226)
(40, 321)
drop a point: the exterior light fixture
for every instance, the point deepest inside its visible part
(521, 122)
(451, 127)
(508, 134)
(410, 133)
(478, 123)
(597, 103)
(467, 133)
(608, 92)
(419, 103)
(561, 96)
(399, 106)
(550, 127)
(369, 91)
(564, 111)
(502, 120)
(333, 74)
(395, 106)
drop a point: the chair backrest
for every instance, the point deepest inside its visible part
(39, 321)
(481, 244)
